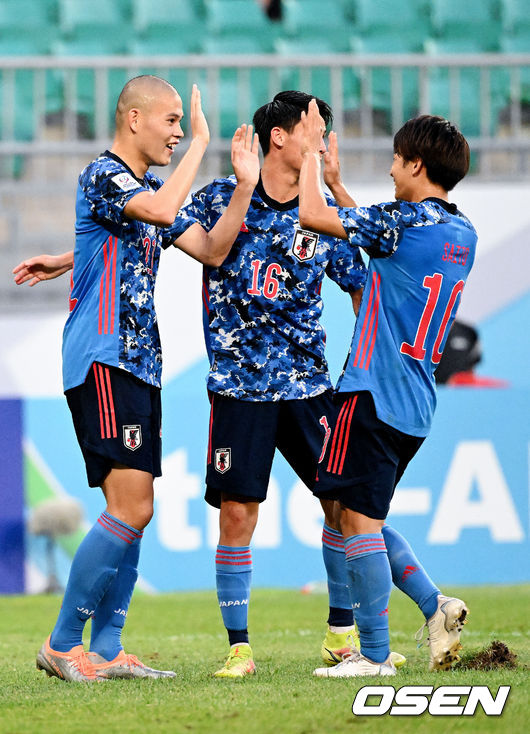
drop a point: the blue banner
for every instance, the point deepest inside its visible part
(11, 498)
(463, 502)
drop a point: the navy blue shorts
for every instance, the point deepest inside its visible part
(364, 459)
(244, 435)
(117, 420)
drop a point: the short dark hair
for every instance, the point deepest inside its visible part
(440, 145)
(285, 111)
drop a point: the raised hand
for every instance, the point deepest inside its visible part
(245, 158)
(312, 129)
(42, 267)
(332, 175)
(199, 126)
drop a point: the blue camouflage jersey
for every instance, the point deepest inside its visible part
(262, 306)
(420, 257)
(112, 315)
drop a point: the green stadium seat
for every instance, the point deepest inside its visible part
(313, 80)
(302, 16)
(516, 45)
(381, 77)
(27, 14)
(152, 18)
(30, 41)
(387, 17)
(103, 43)
(80, 18)
(475, 19)
(468, 117)
(237, 44)
(515, 17)
(457, 45)
(229, 16)
(313, 45)
(164, 41)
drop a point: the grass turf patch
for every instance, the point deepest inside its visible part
(184, 632)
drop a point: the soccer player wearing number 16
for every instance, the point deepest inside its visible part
(421, 250)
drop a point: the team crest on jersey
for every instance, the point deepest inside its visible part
(304, 245)
(132, 437)
(126, 182)
(223, 460)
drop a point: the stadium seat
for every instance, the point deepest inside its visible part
(385, 18)
(27, 14)
(236, 44)
(313, 80)
(103, 43)
(88, 18)
(229, 16)
(164, 41)
(516, 45)
(30, 41)
(302, 16)
(466, 113)
(151, 19)
(381, 77)
(470, 85)
(472, 19)
(515, 17)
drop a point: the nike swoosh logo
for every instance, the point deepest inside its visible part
(332, 655)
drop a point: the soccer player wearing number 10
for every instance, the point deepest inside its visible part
(421, 250)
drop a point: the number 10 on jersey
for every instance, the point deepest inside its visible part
(417, 350)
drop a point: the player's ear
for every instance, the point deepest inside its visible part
(417, 166)
(133, 117)
(278, 136)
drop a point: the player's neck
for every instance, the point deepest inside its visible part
(280, 183)
(131, 157)
(429, 190)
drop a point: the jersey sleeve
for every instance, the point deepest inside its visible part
(107, 190)
(378, 228)
(346, 267)
(198, 211)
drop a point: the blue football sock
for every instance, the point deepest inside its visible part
(233, 573)
(371, 582)
(407, 573)
(340, 608)
(111, 612)
(93, 569)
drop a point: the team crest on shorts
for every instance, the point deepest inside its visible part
(304, 245)
(222, 460)
(132, 437)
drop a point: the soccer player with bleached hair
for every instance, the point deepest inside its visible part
(421, 250)
(112, 356)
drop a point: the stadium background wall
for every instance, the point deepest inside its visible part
(464, 502)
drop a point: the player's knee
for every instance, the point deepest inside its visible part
(144, 514)
(237, 520)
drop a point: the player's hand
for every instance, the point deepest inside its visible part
(199, 126)
(41, 267)
(332, 177)
(312, 129)
(245, 158)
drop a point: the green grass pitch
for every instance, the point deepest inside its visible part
(184, 632)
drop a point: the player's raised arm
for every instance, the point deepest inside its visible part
(211, 248)
(332, 175)
(161, 207)
(43, 267)
(314, 211)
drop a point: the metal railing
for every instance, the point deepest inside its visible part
(57, 113)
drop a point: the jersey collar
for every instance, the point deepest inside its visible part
(279, 206)
(451, 208)
(117, 158)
